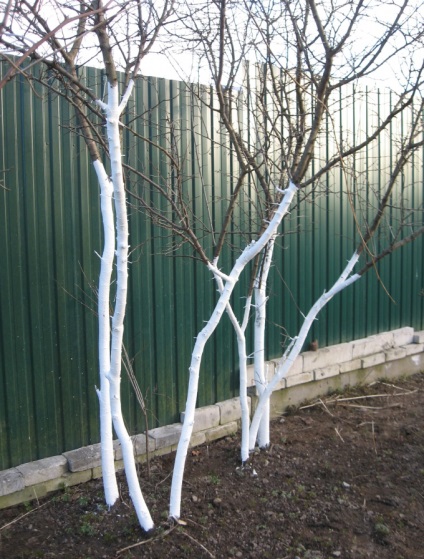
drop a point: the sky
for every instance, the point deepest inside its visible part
(176, 65)
(167, 60)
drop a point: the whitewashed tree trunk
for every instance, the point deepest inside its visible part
(230, 281)
(288, 359)
(244, 404)
(260, 372)
(113, 110)
(240, 330)
(106, 264)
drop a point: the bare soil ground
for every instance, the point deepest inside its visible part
(343, 478)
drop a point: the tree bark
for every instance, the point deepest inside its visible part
(106, 264)
(286, 362)
(113, 111)
(246, 256)
(260, 373)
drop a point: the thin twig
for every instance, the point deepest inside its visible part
(373, 436)
(318, 403)
(337, 431)
(25, 514)
(337, 399)
(198, 543)
(325, 408)
(394, 405)
(374, 396)
(158, 537)
(164, 479)
(394, 386)
(361, 407)
(196, 524)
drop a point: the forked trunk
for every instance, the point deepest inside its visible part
(289, 357)
(106, 264)
(230, 281)
(240, 330)
(113, 111)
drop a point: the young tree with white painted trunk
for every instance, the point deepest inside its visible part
(249, 253)
(305, 54)
(98, 29)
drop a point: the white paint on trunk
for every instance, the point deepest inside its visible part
(260, 372)
(246, 256)
(113, 111)
(106, 264)
(287, 361)
(141, 509)
(241, 345)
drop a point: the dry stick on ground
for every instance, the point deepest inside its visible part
(338, 400)
(358, 406)
(373, 408)
(394, 386)
(25, 514)
(371, 396)
(373, 437)
(198, 543)
(325, 407)
(158, 537)
(338, 433)
(182, 532)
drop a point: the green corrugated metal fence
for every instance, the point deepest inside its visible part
(50, 235)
